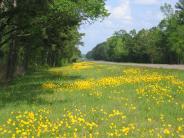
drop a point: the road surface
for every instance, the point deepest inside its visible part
(164, 66)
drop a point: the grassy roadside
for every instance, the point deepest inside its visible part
(94, 100)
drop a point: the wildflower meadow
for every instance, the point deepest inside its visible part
(90, 100)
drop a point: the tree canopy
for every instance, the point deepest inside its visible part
(43, 32)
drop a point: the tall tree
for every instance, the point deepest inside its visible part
(180, 10)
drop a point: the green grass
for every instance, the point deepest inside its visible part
(106, 96)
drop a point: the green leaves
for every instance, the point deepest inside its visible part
(46, 30)
(180, 10)
(89, 10)
(176, 42)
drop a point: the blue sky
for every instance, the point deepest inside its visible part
(125, 14)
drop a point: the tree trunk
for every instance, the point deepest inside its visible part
(12, 55)
(152, 60)
(178, 59)
(26, 58)
(43, 57)
(12, 58)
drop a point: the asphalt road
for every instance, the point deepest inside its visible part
(164, 66)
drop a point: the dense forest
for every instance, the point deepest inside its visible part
(36, 33)
(161, 44)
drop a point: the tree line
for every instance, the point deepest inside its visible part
(37, 33)
(161, 44)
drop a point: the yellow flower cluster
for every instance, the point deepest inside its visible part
(121, 80)
(156, 92)
(115, 122)
(76, 124)
(49, 85)
(82, 65)
(129, 76)
(124, 131)
(31, 124)
(71, 124)
(81, 84)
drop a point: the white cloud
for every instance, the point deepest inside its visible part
(147, 2)
(121, 12)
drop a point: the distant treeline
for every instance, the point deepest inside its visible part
(161, 44)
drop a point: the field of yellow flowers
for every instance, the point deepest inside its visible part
(88, 100)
